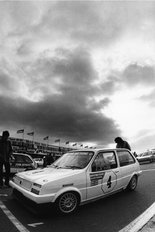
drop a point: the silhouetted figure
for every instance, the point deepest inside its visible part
(135, 154)
(5, 154)
(44, 161)
(121, 143)
(50, 159)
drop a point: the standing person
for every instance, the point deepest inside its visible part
(121, 143)
(135, 154)
(44, 161)
(5, 154)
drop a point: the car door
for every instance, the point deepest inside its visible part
(102, 175)
(127, 164)
(16, 163)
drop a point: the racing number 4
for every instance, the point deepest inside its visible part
(109, 182)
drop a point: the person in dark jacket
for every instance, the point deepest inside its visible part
(121, 143)
(5, 154)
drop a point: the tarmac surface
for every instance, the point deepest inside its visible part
(144, 223)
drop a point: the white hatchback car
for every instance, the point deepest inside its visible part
(78, 177)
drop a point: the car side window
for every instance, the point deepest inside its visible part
(104, 161)
(12, 159)
(19, 159)
(27, 159)
(125, 158)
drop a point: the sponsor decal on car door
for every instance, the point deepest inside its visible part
(101, 178)
(109, 182)
(100, 183)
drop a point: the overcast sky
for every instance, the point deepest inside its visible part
(81, 71)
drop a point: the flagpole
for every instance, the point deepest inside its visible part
(33, 141)
(23, 135)
(47, 143)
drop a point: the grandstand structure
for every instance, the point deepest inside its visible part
(31, 147)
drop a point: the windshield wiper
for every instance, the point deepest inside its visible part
(54, 166)
(72, 167)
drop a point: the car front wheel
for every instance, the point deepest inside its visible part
(67, 203)
(133, 183)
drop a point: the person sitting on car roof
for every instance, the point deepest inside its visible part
(121, 143)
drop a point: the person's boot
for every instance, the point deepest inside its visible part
(7, 183)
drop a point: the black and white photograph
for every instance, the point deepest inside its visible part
(77, 115)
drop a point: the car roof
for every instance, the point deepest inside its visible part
(100, 149)
(22, 154)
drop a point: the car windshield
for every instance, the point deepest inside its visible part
(74, 160)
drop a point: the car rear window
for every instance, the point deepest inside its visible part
(125, 158)
(22, 159)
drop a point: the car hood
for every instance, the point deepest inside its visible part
(143, 157)
(47, 174)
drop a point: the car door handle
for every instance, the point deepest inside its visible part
(117, 171)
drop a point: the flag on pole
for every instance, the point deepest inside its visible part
(46, 138)
(20, 131)
(67, 142)
(57, 140)
(31, 133)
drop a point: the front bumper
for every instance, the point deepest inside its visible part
(32, 206)
(38, 199)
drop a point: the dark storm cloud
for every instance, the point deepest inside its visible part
(71, 74)
(57, 119)
(68, 108)
(136, 74)
(50, 81)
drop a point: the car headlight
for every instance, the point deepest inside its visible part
(37, 185)
(36, 188)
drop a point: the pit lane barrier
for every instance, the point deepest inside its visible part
(143, 223)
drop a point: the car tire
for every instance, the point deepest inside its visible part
(133, 183)
(67, 203)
